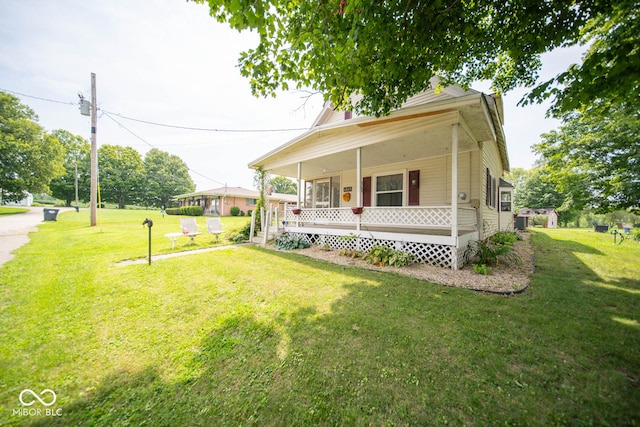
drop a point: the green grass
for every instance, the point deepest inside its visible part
(4, 210)
(248, 336)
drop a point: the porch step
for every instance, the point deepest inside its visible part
(259, 238)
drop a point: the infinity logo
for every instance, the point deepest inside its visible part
(35, 395)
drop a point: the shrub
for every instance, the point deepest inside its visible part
(242, 235)
(488, 252)
(381, 255)
(505, 238)
(351, 253)
(235, 211)
(185, 210)
(287, 242)
(191, 210)
(481, 269)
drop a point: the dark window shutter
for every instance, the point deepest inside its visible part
(366, 191)
(414, 188)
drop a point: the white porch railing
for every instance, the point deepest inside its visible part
(405, 216)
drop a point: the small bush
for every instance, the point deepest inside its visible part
(235, 211)
(191, 210)
(381, 255)
(351, 253)
(481, 269)
(185, 210)
(242, 235)
(489, 253)
(287, 242)
(505, 238)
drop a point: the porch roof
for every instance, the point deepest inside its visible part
(237, 192)
(414, 132)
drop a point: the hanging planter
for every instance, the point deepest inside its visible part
(296, 211)
(357, 210)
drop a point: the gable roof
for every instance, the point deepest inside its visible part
(537, 211)
(238, 192)
(329, 114)
(482, 114)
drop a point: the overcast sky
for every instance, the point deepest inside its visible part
(169, 62)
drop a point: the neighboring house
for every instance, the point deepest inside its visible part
(425, 177)
(27, 201)
(219, 201)
(529, 214)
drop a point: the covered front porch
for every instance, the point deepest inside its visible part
(425, 231)
(420, 180)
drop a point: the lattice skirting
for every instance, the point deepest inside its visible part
(425, 253)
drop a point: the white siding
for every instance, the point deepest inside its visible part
(435, 179)
(489, 214)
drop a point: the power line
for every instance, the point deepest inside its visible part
(152, 146)
(148, 122)
(38, 97)
(205, 129)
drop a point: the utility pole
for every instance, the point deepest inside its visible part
(94, 152)
(76, 182)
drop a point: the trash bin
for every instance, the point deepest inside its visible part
(51, 214)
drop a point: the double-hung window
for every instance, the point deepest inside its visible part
(389, 189)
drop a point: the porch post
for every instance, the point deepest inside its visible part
(300, 190)
(358, 183)
(454, 191)
(299, 183)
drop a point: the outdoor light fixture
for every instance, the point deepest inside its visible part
(462, 195)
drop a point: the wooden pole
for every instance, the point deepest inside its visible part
(94, 152)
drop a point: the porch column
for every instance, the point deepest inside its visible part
(299, 184)
(300, 192)
(358, 183)
(454, 181)
(454, 194)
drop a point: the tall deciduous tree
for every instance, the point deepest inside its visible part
(166, 176)
(121, 175)
(77, 157)
(283, 185)
(389, 50)
(29, 157)
(596, 155)
(610, 70)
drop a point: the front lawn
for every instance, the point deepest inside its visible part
(250, 336)
(6, 210)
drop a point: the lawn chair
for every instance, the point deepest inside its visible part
(214, 227)
(189, 227)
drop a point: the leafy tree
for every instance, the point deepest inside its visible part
(536, 188)
(389, 50)
(121, 174)
(77, 154)
(610, 70)
(29, 157)
(283, 185)
(595, 156)
(166, 176)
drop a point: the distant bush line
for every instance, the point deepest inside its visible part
(185, 210)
